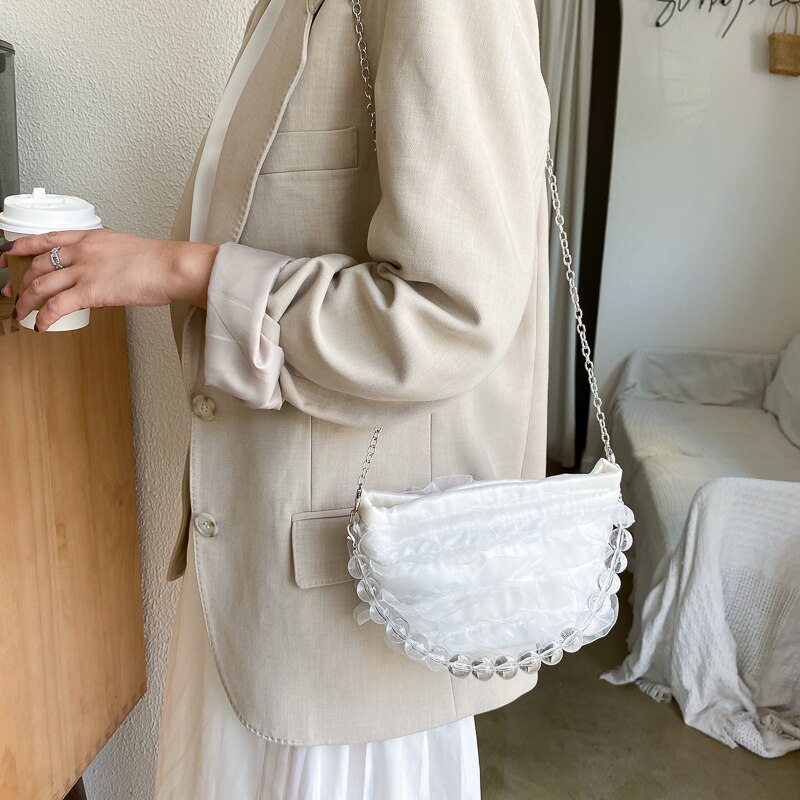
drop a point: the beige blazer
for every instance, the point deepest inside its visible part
(416, 298)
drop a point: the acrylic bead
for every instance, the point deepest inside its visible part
(529, 662)
(506, 667)
(483, 669)
(397, 630)
(436, 660)
(572, 640)
(379, 612)
(608, 582)
(616, 562)
(394, 613)
(551, 654)
(622, 539)
(368, 589)
(460, 666)
(416, 647)
(358, 567)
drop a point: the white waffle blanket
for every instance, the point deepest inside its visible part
(717, 591)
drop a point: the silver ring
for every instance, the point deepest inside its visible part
(55, 260)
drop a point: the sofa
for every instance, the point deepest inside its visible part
(709, 443)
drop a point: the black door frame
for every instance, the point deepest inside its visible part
(602, 118)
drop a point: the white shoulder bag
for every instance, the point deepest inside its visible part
(492, 577)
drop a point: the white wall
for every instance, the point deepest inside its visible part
(113, 100)
(703, 243)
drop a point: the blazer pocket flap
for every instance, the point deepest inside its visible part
(299, 151)
(319, 548)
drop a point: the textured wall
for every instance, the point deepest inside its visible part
(113, 99)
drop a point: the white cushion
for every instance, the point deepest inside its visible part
(782, 397)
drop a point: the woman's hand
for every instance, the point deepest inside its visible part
(106, 268)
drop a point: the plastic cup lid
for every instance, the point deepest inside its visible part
(40, 212)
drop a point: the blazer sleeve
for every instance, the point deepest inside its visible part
(462, 121)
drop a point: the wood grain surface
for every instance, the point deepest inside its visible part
(72, 662)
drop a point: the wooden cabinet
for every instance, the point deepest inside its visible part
(72, 662)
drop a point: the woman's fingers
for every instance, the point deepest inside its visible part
(44, 290)
(34, 245)
(106, 268)
(56, 307)
(42, 265)
(39, 247)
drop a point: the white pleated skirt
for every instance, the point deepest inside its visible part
(205, 753)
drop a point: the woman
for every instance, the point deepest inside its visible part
(319, 288)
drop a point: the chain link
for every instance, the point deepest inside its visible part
(364, 470)
(365, 74)
(566, 257)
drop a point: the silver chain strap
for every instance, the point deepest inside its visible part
(586, 350)
(362, 52)
(363, 477)
(566, 256)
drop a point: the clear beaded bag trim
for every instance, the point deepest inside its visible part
(380, 605)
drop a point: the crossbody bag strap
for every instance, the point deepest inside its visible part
(566, 256)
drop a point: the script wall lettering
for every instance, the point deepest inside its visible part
(670, 9)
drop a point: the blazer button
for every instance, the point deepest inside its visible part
(206, 525)
(204, 407)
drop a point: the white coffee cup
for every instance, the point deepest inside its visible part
(40, 212)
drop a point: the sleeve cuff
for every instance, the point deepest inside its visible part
(242, 354)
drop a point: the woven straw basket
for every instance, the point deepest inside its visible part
(784, 47)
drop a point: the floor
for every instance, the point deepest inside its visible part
(576, 737)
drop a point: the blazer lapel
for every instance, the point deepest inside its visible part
(183, 216)
(256, 120)
(250, 134)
